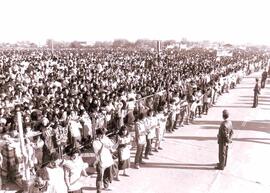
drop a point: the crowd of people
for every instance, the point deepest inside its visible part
(106, 101)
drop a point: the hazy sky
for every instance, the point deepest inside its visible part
(232, 21)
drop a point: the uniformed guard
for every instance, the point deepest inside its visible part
(224, 139)
(264, 77)
(256, 93)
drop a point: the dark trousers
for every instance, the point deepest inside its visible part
(213, 99)
(170, 124)
(176, 121)
(148, 148)
(199, 110)
(103, 175)
(222, 155)
(139, 153)
(263, 83)
(181, 116)
(255, 100)
(205, 107)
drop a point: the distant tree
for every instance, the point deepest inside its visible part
(101, 44)
(145, 43)
(168, 43)
(123, 43)
(33, 45)
(75, 44)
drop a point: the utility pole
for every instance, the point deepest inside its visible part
(52, 45)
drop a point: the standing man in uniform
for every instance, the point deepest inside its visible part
(224, 138)
(256, 93)
(264, 77)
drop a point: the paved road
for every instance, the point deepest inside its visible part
(186, 165)
(190, 154)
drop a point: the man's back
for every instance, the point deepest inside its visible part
(257, 88)
(225, 132)
(264, 75)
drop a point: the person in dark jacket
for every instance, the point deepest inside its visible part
(224, 139)
(256, 93)
(264, 77)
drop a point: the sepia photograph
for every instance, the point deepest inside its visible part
(125, 96)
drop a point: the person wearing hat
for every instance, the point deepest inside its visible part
(224, 139)
(256, 93)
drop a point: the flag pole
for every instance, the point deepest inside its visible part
(26, 174)
(52, 46)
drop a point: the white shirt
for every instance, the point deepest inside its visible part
(56, 176)
(153, 122)
(74, 169)
(131, 105)
(140, 132)
(75, 129)
(104, 156)
(161, 121)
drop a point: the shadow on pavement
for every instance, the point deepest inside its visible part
(88, 189)
(244, 87)
(180, 166)
(210, 127)
(252, 140)
(246, 103)
(252, 125)
(264, 100)
(260, 100)
(251, 96)
(231, 106)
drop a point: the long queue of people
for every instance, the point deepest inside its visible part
(71, 99)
